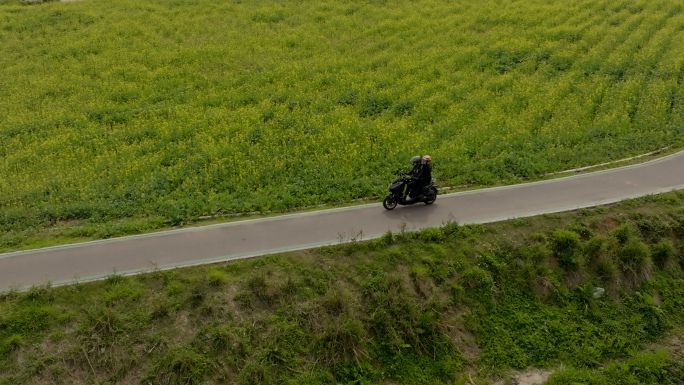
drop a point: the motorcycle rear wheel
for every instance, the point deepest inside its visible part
(431, 196)
(389, 202)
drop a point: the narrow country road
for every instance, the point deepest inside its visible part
(220, 242)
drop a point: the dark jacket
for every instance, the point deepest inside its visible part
(425, 174)
(422, 173)
(416, 171)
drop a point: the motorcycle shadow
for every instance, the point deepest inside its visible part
(418, 213)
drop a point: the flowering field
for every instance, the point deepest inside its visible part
(179, 108)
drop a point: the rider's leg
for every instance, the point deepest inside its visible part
(418, 189)
(412, 189)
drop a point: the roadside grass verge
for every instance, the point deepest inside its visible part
(593, 292)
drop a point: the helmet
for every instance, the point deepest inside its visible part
(427, 159)
(415, 159)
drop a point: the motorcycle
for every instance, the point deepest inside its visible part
(397, 195)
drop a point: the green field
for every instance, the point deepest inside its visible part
(595, 295)
(164, 110)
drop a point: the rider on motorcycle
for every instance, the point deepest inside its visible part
(421, 175)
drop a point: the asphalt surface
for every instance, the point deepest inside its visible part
(248, 238)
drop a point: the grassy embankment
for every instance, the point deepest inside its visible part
(593, 292)
(119, 117)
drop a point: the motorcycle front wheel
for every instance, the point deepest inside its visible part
(389, 202)
(431, 196)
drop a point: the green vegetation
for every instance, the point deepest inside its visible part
(595, 292)
(161, 111)
(643, 368)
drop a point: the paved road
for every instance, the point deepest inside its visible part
(220, 242)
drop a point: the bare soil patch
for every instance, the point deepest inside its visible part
(529, 377)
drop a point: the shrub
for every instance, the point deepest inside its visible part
(474, 277)
(533, 255)
(336, 302)
(622, 233)
(342, 340)
(472, 230)
(450, 228)
(393, 254)
(634, 253)
(373, 105)
(348, 98)
(254, 374)
(404, 107)
(44, 293)
(114, 279)
(101, 323)
(180, 365)
(642, 368)
(173, 288)
(561, 62)
(606, 268)
(592, 249)
(662, 252)
(10, 344)
(274, 17)
(653, 227)
(122, 293)
(161, 306)
(216, 277)
(565, 245)
(258, 286)
(431, 234)
(386, 239)
(219, 337)
(30, 318)
(10, 240)
(582, 229)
